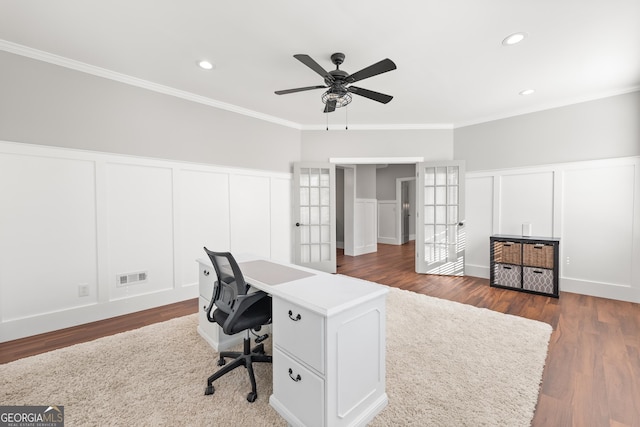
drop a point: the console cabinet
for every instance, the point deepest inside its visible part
(527, 264)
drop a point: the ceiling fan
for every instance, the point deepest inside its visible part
(338, 82)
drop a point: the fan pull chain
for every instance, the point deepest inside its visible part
(346, 118)
(327, 116)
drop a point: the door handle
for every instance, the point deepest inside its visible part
(298, 224)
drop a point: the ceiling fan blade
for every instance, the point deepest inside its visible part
(330, 107)
(372, 70)
(299, 89)
(376, 96)
(309, 62)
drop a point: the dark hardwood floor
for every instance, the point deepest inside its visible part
(592, 374)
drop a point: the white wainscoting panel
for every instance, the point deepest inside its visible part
(140, 227)
(250, 215)
(388, 222)
(478, 225)
(366, 224)
(592, 206)
(47, 234)
(526, 197)
(281, 224)
(74, 220)
(203, 217)
(597, 245)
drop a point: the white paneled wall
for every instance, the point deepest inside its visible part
(479, 212)
(75, 220)
(600, 248)
(139, 216)
(526, 198)
(388, 222)
(201, 217)
(593, 207)
(366, 224)
(281, 242)
(47, 234)
(251, 219)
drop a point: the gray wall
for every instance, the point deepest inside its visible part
(321, 145)
(366, 181)
(42, 103)
(386, 179)
(600, 129)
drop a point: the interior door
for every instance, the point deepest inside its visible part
(404, 203)
(314, 215)
(440, 241)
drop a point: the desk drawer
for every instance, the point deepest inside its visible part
(211, 330)
(298, 389)
(206, 280)
(299, 331)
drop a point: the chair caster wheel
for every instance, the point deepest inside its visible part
(221, 362)
(209, 390)
(251, 397)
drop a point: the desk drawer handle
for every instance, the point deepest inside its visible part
(295, 319)
(206, 273)
(297, 378)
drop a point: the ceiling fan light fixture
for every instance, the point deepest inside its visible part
(341, 98)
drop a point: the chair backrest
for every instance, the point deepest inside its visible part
(230, 281)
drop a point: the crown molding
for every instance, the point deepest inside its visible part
(425, 126)
(62, 61)
(51, 58)
(40, 55)
(544, 107)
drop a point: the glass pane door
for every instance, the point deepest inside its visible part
(440, 240)
(314, 215)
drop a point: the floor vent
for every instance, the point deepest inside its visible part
(131, 278)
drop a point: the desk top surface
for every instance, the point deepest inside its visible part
(271, 273)
(316, 290)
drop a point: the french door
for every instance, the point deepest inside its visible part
(314, 215)
(440, 237)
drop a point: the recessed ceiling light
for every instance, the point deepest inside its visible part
(527, 92)
(514, 38)
(205, 65)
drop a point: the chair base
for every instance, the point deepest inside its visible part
(244, 358)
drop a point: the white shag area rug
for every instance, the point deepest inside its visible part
(448, 364)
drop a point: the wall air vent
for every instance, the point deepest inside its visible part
(127, 279)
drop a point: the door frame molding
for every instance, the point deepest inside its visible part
(374, 160)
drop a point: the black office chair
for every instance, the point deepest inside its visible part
(237, 310)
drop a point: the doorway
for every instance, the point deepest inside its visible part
(441, 218)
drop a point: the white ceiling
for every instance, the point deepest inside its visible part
(452, 68)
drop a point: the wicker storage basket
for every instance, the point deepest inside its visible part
(538, 255)
(507, 252)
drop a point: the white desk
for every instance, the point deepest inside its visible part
(328, 341)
